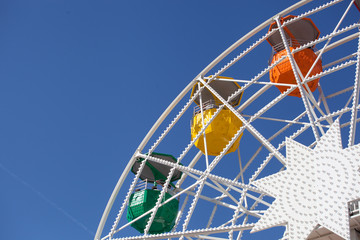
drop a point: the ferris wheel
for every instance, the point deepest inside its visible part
(273, 147)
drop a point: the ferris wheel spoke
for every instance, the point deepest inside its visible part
(348, 123)
(295, 120)
(355, 101)
(340, 112)
(292, 122)
(333, 69)
(280, 145)
(193, 205)
(328, 40)
(340, 92)
(323, 100)
(346, 105)
(246, 194)
(342, 59)
(244, 210)
(218, 188)
(210, 238)
(224, 191)
(297, 78)
(179, 216)
(241, 171)
(329, 36)
(212, 216)
(212, 200)
(241, 231)
(256, 199)
(308, 95)
(259, 200)
(239, 209)
(320, 127)
(269, 157)
(203, 124)
(247, 125)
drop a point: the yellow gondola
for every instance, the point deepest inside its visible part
(223, 128)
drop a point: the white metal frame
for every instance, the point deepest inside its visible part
(242, 189)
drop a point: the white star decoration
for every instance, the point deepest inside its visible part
(315, 188)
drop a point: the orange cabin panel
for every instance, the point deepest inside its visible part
(283, 73)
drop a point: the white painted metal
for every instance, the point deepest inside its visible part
(247, 193)
(355, 100)
(203, 124)
(297, 78)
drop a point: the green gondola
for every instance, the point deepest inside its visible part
(144, 200)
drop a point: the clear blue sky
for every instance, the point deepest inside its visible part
(81, 83)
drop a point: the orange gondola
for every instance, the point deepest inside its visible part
(297, 33)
